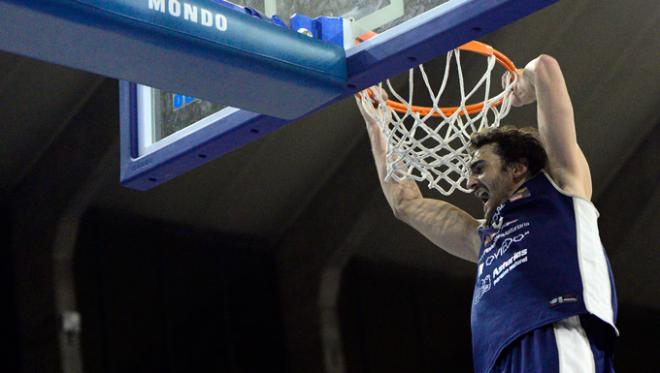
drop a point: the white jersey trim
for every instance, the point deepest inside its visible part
(597, 288)
(573, 348)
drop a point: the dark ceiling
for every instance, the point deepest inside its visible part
(609, 52)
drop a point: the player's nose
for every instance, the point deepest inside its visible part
(472, 182)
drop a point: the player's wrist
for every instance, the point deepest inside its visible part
(542, 70)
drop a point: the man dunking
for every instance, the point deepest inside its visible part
(544, 299)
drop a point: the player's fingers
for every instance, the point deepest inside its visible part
(358, 101)
(367, 114)
(380, 92)
(510, 77)
(504, 80)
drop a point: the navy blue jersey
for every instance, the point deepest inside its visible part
(541, 260)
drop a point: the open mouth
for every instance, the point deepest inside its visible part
(482, 194)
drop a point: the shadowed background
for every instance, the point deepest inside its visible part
(283, 256)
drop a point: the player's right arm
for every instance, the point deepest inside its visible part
(444, 224)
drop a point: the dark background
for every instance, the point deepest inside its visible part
(283, 256)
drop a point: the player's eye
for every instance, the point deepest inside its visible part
(476, 169)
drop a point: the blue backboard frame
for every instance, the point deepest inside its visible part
(211, 141)
(392, 52)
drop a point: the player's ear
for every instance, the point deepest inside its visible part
(519, 169)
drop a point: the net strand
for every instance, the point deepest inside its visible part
(434, 147)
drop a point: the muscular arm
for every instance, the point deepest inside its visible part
(543, 80)
(444, 224)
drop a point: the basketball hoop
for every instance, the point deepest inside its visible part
(431, 143)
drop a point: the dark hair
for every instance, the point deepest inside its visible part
(514, 145)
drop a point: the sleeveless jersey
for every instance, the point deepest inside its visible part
(541, 260)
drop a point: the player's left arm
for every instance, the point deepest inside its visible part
(543, 81)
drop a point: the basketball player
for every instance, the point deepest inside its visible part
(544, 299)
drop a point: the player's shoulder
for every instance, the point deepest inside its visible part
(568, 184)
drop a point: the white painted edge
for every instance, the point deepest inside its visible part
(146, 125)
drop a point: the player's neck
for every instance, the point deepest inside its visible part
(517, 185)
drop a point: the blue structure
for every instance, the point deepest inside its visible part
(199, 47)
(273, 74)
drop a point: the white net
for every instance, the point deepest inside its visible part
(433, 145)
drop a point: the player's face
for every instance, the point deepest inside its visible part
(490, 180)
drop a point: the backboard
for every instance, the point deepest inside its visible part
(165, 117)
(406, 30)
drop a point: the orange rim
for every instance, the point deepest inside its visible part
(473, 47)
